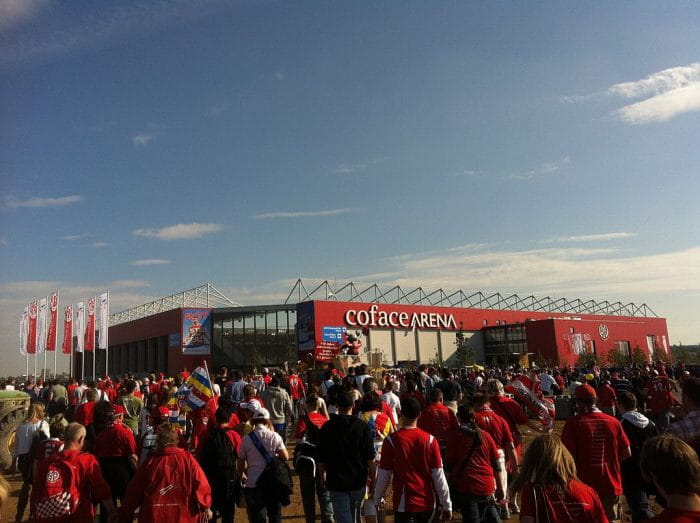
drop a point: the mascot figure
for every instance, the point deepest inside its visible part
(353, 343)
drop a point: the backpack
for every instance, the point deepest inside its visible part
(57, 494)
(276, 480)
(305, 452)
(219, 464)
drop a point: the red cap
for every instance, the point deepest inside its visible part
(118, 409)
(584, 392)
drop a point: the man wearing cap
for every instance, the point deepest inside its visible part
(660, 398)
(598, 444)
(251, 464)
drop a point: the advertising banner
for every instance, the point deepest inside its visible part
(23, 325)
(31, 334)
(53, 320)
(67, 345)
(196, 331)
(104, 320)
(41, 326)
(80, 327)
(90, 327)
(306, 336)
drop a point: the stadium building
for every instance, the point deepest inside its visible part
(399, 326)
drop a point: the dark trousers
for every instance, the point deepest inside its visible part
(260, 508)
(638, 502)
(477, 509)
(413, 517)
(310, 487)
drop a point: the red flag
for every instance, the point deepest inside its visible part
(67, 346)
(53, 320)
(31, 341)
(90, 328)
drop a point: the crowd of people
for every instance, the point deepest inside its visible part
(444, 440)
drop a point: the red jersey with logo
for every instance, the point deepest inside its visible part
(578, 504)
(476, 477)
(439, 421)
(495, 425)
(660, 397)
(115, 441)
(296, 387)
(597, 441)
(85, 412)
(606, 396)
(48, 448)
(314, 417)
(510, 410)
(411, 454)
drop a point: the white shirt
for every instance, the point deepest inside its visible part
(25, 436)
(394, 402)
(256, 462)
(546, 382)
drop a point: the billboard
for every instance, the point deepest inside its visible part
(196, 331)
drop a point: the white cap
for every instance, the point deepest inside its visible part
(253, 405)
(261, 413)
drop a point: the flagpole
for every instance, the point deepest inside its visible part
(55, 336)
(43, 373)
(82, 365)
(211, 384)
(106, 337)
(94, 349)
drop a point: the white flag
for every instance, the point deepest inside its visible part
(104, 320)
(80, 326)
(23, 327)
(41, 327)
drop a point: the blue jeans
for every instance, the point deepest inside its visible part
(663, 420)
(281, 429)
(260, 509)
(310, 488)
(638, 503)
(347, 505)
(476, 509)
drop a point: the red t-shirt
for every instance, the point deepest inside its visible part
(85, 412)
(477, 476)
(296, 387)
(579, 504)
(596, 441)
(233, 437)
(676, 515)
(439, 421)
(48, 448)
(660, 398)
(510, 410)
(89, 481)
(115, 441)
(606, 396)
(411, 454)
(495, 425)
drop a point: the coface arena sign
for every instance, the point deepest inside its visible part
(400, 320)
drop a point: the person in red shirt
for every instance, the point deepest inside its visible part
(438, 420)
(170, 485)
(607, 398)
(88, 478)
(85, 411)
(660, 390)
(549, 489)
(474, 463)
(413, 392)
(673, 466)
(598, 444)
(413, 457)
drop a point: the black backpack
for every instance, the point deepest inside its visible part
(305, 452)
(219, 464)
(276, 480)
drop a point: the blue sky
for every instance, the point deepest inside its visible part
(549, 148)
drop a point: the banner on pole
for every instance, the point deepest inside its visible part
(90, 327)
(104, 320)
(31, 335)
(67, 346)
(196, 331)
(41, 326)
(53, 320)
(23, 325)
(80, 326)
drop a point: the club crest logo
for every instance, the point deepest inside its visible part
(603, 331)
(52, 476)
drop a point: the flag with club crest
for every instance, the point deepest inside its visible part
(67, 345)
(41, 326)
(23, 326)
(53, 322)
(104, 320)
(80, 327)
(90, 326)
(31, 330)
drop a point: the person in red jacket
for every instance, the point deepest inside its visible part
(413, 392)
(673, 466)
(598, 444)
(438, 420)
(169, 487)
(88, 480)
(549, 488)
(607, 398)
(85, 412)
(660, 390)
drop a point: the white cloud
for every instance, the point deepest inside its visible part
(4, 242)
(468, 173)
(144, 137)
(99, 245)
(662, 107)
(544, 169)
(302, 214)
(348, 168)
(36, 202)
(658, 83)
(181, 231)
(280, 75)
(592, 237)
(74, 237)
(150, 261)
(13, 12)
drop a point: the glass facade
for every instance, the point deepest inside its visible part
(248, 337)
(504, 344)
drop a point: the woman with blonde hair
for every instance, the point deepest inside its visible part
(550, 491)
(34, 427)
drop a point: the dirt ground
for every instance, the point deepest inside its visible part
(292, 513)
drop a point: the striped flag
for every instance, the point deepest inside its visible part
(200, 389)
(23, 335)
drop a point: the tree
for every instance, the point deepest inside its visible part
(638, 356)
(587, 359)
(465, 354)
(617, 358)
